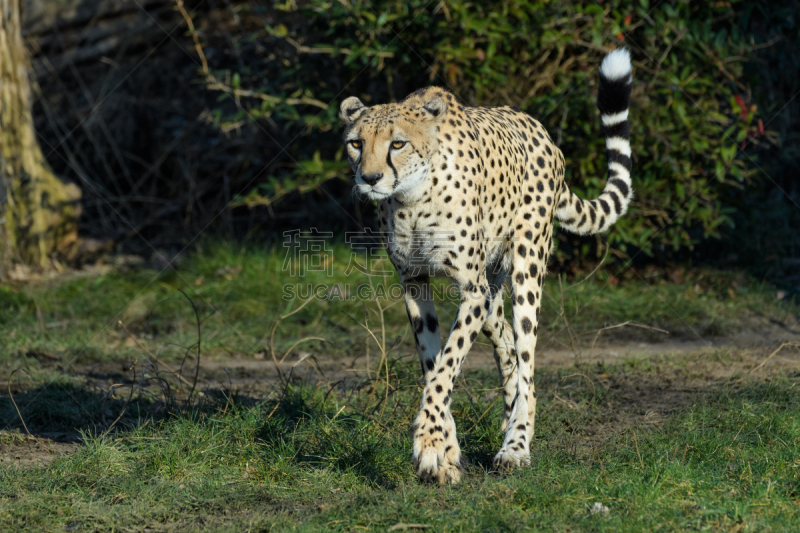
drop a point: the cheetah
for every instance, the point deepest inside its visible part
(470, 193)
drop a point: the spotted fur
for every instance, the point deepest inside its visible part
(471, 193)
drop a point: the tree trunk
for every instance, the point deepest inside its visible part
(38, 212)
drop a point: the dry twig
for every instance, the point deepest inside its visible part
(10, 395)
(773, 354)
(153, 356)
(628, 323)
(272, 337)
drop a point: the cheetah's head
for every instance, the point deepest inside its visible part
(390, 146)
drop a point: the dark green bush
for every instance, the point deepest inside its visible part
(690, 111)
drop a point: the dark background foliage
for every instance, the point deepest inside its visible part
(230, 130)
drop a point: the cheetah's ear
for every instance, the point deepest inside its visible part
(350, 109)
(435, 109)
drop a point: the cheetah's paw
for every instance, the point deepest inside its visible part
(508, 459)
(442, 468)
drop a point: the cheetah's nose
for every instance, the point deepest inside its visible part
(372, 179)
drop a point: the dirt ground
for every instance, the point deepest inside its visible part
(684, 370)
(714, 359)
(29, 450)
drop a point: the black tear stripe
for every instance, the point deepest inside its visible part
(621, 129)
(614, 156)
(389, 162)
(614, 96)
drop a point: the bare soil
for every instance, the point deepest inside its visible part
(684, 370)
(28, 450)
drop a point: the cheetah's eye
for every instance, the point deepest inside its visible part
(398, 144)
(356, 144)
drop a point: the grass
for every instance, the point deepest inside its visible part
(239, 292)
(667, 443)
(725, 457)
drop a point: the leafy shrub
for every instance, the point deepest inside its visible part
(690, 111)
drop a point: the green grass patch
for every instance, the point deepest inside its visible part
(723, 456)
(240, 291)
(662, 443)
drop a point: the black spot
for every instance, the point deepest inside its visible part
(526, 325)
(431, 322)
(525, 356)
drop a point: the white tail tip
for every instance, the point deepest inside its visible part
(616, 65)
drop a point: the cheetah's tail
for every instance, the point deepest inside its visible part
(594, 216)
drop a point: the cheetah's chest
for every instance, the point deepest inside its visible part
(417, 241)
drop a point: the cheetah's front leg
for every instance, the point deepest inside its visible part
(437, 455)
(499, 332)
(422, 316)
(526, 295)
